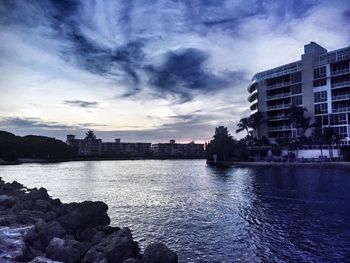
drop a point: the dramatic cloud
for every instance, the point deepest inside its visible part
(159, 58)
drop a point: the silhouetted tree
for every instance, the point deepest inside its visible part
(242, 125)
(90, 135)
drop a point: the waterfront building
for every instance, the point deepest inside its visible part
(89, 146)
(180, 150)
(320, 82)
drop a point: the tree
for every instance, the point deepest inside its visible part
(255, 120)
(90, 135)
(297, 117)
(221, 145)
(318, 138)
(242, 125)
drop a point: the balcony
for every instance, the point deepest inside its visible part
(341, 84)
(341, 110)
(251, 96)
(252, 87)
(280, 128)
(341, 97)
(278, 117)
(279, 85)
(279, 106)
(279, 96)
(340, 72)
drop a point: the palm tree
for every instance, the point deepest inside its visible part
(319, 138)
(90, 135)
(255, 121)
(242, 125)
(297, 117)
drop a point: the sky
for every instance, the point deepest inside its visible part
(148, 70)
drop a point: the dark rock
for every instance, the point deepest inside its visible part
(83, 215)
(159, 253)
(43, 232)
(16, 185)
(98, 237)
(65, 250)
(108, 229)
(7, 201)
(43, 205)
(87, 234)
(49, 216)
(116, 248)
(38, 194)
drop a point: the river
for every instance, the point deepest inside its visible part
(207, 214)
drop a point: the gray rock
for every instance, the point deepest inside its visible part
(41, 259)
(43, 205)
(159, 253)
(43, 232)
(116, 248)
(7, 201)
(66, 250)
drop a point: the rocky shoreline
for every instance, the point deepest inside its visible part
(36, 228)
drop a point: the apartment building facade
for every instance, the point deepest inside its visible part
(180, 150)
(320, 82)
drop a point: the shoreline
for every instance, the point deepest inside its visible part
(48, 161)
(327, 165)
(36, 228)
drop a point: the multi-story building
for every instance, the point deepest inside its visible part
(320, 82)
(180, 150)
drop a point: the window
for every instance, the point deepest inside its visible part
(295, 77)
(297, 100)
(322, 120)
(342, 131)
(320, 82)
(296, 89)
(338, 119)
(320, 96)
(321, 108)
(320, 72)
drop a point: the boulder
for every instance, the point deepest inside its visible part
(7, 201)
(41, 259)
(38, 194)
(116, 248)
(83, 215)
(43, 205)
(43, 232)
(159, 253)
(66, 250)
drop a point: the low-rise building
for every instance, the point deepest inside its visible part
(178, 150)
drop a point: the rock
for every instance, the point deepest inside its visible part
(159, 253)
(12, 246)
(87, 234)
(43, 205)
(43, 232)
(49, 216)
(38, 194)
(17, 185)
(83, 215)
(116, 248)
(132, 260)
(42, 259)
(65, 250)
(7, 201)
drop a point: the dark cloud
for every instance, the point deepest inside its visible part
(184, 73)
(82, 103)
(33, 123)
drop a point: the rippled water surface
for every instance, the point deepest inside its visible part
(208, 214)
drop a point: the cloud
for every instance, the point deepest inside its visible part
(32, 123)
(82, 103)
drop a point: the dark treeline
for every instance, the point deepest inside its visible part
(13, 147)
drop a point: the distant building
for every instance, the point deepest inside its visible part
(91, 146)
(320, 82)
(172, 149)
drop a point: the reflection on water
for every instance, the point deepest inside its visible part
(209, 214)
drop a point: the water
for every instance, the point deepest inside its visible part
(208, 214)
